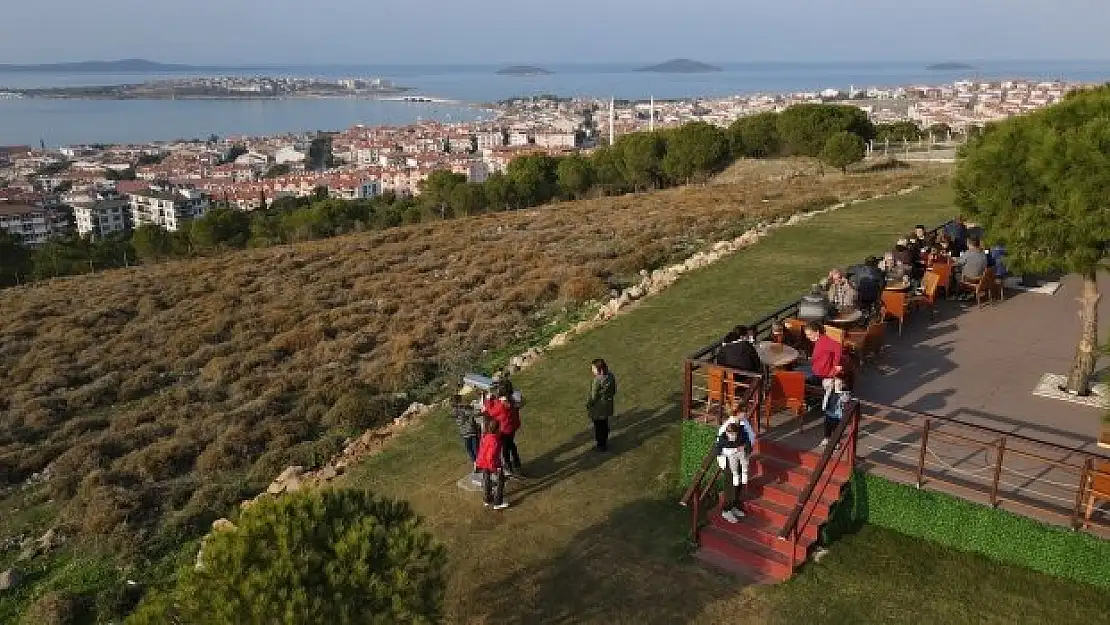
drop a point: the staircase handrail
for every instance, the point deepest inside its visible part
(851, 421)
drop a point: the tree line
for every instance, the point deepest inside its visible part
(636, 162)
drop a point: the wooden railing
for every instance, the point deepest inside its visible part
(983, 463)
(704, 481)
(840, 452)
(709, 390)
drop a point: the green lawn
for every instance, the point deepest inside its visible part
(601, 538)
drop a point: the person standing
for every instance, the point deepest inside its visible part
(733, 449)
(501, 409)
(489, 463)
(599, 404)
(468, 426)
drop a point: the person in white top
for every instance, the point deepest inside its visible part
(735, 443)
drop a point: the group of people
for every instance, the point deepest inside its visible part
(488, 428)
(959, 242)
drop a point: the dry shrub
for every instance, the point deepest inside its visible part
(582, 288)
(55, 607)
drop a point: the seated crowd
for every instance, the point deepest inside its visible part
(841, 323)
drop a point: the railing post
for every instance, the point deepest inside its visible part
(998, 471)
(855, 435)
(725, 375)
(924, 447)
(687, 389)
(1088, 466)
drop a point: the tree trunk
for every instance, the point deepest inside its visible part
(1079, 380)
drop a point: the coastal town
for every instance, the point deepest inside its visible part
(220, 88)
(97, 190)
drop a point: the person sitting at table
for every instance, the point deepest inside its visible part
(973, 262)
(842, 295)
(902, 253)
(996, 258)
(957, 234)
(827, 355)
(893, 270)
(738, 352)
(943, 247)
(869, 280)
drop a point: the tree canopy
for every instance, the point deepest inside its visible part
(805, 128)
(756, 136)
(843, 149)
(695, 150)
(332, 556)
(1040, 183)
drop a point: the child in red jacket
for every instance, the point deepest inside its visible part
(503, 409)
(489, 463)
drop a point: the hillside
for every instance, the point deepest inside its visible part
(154, 398)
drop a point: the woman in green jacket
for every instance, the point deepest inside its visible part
(599, 405)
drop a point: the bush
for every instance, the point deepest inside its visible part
(54, 608)
(333, 556)
(843, 149)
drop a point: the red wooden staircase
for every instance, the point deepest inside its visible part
(788, 499)
(754, 548)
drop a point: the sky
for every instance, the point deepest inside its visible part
(550, 31)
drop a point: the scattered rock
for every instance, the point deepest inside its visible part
(327, 474)
(223, 525)
(9, 579)
(559, 340)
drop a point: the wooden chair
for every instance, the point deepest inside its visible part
(981, 286)
(1098, 485)
(788, 390)
(943, 269)
(894, 305)
(795, 330)
(867, 343)
(929, 284)
(720, 380)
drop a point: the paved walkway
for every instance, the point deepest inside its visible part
(980, 366)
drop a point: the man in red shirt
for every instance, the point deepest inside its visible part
(827, 354)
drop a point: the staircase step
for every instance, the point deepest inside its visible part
(787, 495)
(721, 562)
(775, 516)
(773, 465)
(753, 529)
(762, 559)
(797, 457)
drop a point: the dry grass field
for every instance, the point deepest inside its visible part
(159, 396)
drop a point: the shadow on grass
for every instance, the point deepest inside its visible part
(622, 570)
(629, 430)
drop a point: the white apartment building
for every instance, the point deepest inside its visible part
(556, 140)
(170, 208)
(32, 224)
(491, 139)
(100, 218)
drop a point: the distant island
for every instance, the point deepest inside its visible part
(123, 66)
(679, 66)
(524, 70)
(948, 66)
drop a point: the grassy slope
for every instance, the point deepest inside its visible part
(600, 538)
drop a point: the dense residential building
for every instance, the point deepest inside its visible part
(33, 225)
(167, 206)
(101, 217)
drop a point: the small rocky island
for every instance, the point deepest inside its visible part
(950, 66)
(524, 70)
(680, 66)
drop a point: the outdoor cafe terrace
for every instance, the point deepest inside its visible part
(960, 403)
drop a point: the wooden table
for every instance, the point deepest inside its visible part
(847, 318)
(774, 357)
(897, 286)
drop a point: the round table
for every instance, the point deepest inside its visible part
(897, 286)
(774, 357)
(847, 318)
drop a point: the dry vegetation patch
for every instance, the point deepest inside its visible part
(161, 395)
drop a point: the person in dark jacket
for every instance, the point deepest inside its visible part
(467, 424)
(489, 464)
(738, 351)
(600, 404)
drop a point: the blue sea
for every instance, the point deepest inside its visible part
(61, 122)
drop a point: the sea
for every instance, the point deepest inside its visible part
(463, 89)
